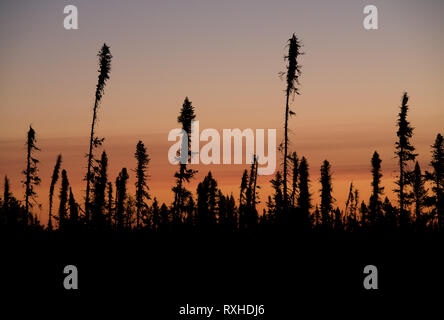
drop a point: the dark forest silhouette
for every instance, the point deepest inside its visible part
(109, 207)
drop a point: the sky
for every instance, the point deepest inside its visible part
(226, 57)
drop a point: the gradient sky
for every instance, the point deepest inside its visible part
(226, 56)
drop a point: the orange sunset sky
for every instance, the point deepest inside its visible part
(225, 56)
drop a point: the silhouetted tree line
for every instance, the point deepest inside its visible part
(108, 206)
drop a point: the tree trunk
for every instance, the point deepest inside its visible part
(285, 152)
(254, 184)
(28, 183)
(88, 178)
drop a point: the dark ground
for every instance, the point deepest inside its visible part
(153, 275)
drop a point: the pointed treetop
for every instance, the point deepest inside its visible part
(293, 68)
(104, 69)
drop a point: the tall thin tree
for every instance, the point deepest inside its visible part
(292, 77)
(99, 190)
(326, 193)
(73, 211)
(276, 204)
(185, 118)
(30, 173)
(251, 188)
(207, 193)
(404, 152)
(351, 208)
(54, 178)
(243, 187)
(63, 211)
(375, 204)
(250, 215)
(437, 178)
(141, 178)
(304, 196)
(295, 168)
(255, 186)
(419, 194)
(104, 70)
(109, 207)
(6, 194)
(155, 214)
(121, 196)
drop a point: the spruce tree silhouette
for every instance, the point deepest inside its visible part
(294, 187)
(109, 208)
(155, 210)
(121, 197)
(189, 219)
(364, 214)
(316, 217)
(54, 178)
(9, 215)
(243, 187)
(250, 215)
(164, 217)
(227, 210)
(73, 212)
(254, 186)
(141, 178)
(351, 209)
(114, 224)
(243, 202)
(436, 177)
(292, 77)
(100, 181)
(390, 215)
(419, 194)
(375, 203)
(267, 218)
(30, 173)
(4, 205)
(276, 204)
(185, 118)
(222, 211)
(337, 220)
(207, 192)
(13, 214)
(348, 202)
(326, 195)
(63, 212)
(94, 142)
(129, 212)
(6, 194)
(405, 153)
(304, 197)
